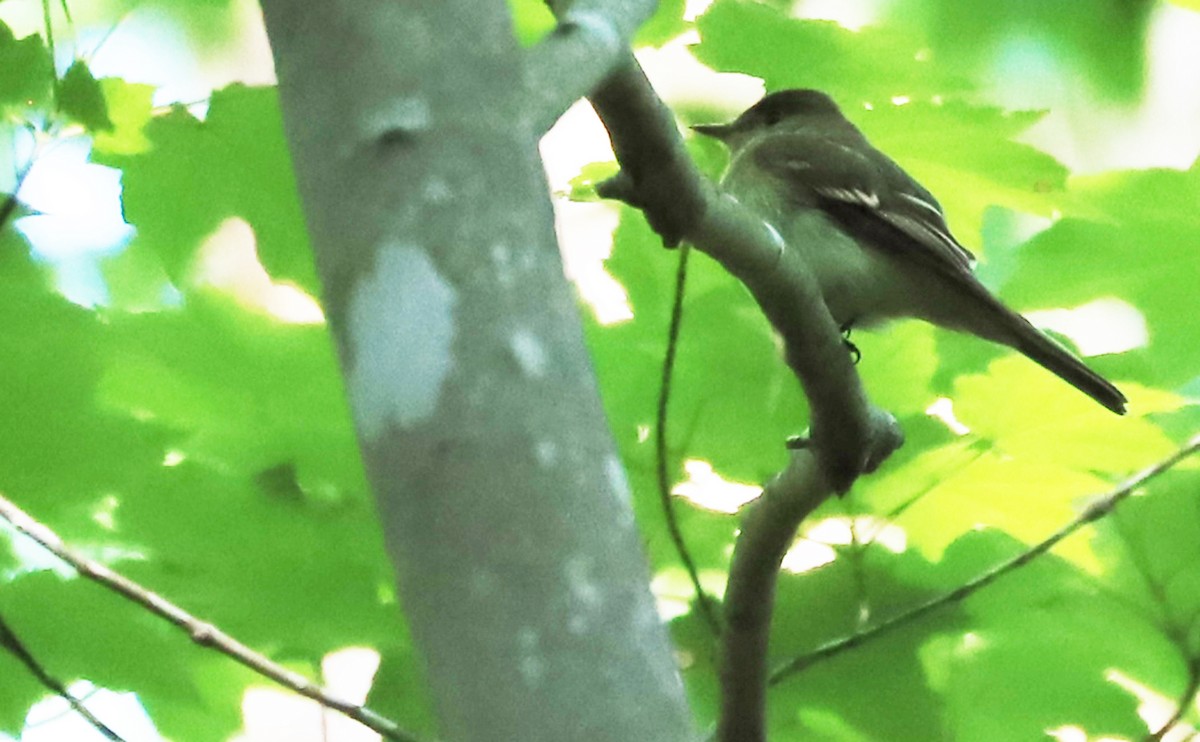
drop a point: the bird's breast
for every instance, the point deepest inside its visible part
(854, 280)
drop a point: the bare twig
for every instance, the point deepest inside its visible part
(1182, 705)
(17, 648)
(1096, 510)
(202, 633)
(703, 599)
(49, 26)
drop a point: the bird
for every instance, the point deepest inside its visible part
(874, 238)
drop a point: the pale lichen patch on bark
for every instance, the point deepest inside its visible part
(402, 329)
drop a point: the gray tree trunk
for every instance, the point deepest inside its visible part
(505, 508)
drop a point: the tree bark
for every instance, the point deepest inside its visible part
(505, 508)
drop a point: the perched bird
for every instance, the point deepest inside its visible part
(874, 238)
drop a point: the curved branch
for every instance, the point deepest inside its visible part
(849, 435)
(768, 528)
(202, 633)
(591, 40)
(1096, 510)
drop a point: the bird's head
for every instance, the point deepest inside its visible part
(786, 110)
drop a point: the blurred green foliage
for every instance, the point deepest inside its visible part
(1099, 40)
(203, 446)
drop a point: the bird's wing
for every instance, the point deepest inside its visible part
(867, 194)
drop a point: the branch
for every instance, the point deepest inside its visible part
(849, 436)
(17, 648)
(705, 602)
(203, 634)
(1095, 511)
(768, 529)
(592, 38)
(430, 221)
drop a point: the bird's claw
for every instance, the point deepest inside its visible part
(797, 442)
(855, 353)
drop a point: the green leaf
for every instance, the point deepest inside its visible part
(583, 186)
(731, 405)
(26, 72)
(1101, 41)
(1137, 249)
(129, 110)
(1045, 625)
(338, 591)
(873, 64)
(965, 155)
(1044, 419)
(58, 452)
(1025, 464)
(198, 174)
(532, 20)
(839, 698)
(399, 691)
(81, 630)
(18, 690)
(136, 280)
(188, 368)
(666, 24)
(897, 366)
(81, 98)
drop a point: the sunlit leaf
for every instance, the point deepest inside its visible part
(129, 108)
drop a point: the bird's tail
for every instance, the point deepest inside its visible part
(1051, 356)
(986, 316)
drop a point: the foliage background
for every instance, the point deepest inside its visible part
(190, 432)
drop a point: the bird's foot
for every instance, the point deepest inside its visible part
(854, 351)
(798, 442)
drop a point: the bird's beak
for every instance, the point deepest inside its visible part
(716, 131)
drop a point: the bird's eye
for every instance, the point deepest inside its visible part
(770, 118)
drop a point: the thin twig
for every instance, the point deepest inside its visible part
(108, 33)
(49, 23)
(707, 610)
(1184, 703)
(1094, 512)
(202, 633)
(17, 648)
